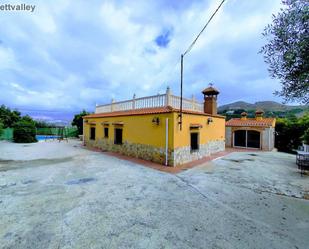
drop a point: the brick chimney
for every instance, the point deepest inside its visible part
(210, 100)
(243, 116)
(259, 114)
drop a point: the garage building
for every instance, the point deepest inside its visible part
(256, 133)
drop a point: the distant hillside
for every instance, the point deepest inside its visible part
(264, 105)
(52, 117)
(271, 109)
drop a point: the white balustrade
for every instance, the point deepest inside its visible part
(159, 100)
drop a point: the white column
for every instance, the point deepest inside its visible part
(133, 103)
(84, 132)
(112, 106)
(167, 96)
(193, 102)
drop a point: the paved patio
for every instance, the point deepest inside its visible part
(60, 195)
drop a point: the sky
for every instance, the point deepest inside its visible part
(69, 55)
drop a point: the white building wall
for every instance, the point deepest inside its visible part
(268, 139)
(265, 139)
(228, 136)
(272, 138)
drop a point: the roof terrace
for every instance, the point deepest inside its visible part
(159, 100)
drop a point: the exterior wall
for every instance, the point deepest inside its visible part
(137, 129)
(143, 151)
(209, 132)
(272, 138)
(183, 154)
(228, 137)
(211, 137)
(141, 138)
(268, 141)
(267, 136)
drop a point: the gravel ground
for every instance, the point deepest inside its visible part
(59, 195)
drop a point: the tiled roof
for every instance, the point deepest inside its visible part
(265, 122)
(200, 113)
(144, 111)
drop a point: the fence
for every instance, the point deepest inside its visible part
(159, 100)
(7, 134)
(70, 131)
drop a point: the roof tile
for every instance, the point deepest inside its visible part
(143, 111)
(265, 122)
(131, 112)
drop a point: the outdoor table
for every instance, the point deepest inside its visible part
(302, 160)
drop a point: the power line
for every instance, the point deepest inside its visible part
(192, 44)
(187, 51)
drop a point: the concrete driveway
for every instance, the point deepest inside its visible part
(59, 195)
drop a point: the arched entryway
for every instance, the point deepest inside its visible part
(247, 139)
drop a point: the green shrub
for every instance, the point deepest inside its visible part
(290, 133)
(24, 132)
(78, 122)
(1, 128)
(305, 137)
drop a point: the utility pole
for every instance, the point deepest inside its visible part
(181, 83)
(181, 64)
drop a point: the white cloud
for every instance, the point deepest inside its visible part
(7, 58)
(73, 54)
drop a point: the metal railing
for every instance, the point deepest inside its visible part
(159, 100)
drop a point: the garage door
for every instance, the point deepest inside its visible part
(253, 139)
(247, 139)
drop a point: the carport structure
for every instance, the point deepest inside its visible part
(256, 133)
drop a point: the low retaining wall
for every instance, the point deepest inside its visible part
(142, 151)
(184, 154)
(151, 153)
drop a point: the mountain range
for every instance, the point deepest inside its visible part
(264, 105)
(65, 117)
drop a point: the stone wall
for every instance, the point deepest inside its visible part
(183, 155)
(141, 151)
(147, 152)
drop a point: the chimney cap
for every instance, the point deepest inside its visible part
(210, 91)
(259, 112)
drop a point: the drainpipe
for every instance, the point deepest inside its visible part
(166, 142)
(269, 139)
(84, 132)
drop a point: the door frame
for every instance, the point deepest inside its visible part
(246, 147)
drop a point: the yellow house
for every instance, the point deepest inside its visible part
(151, 128)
